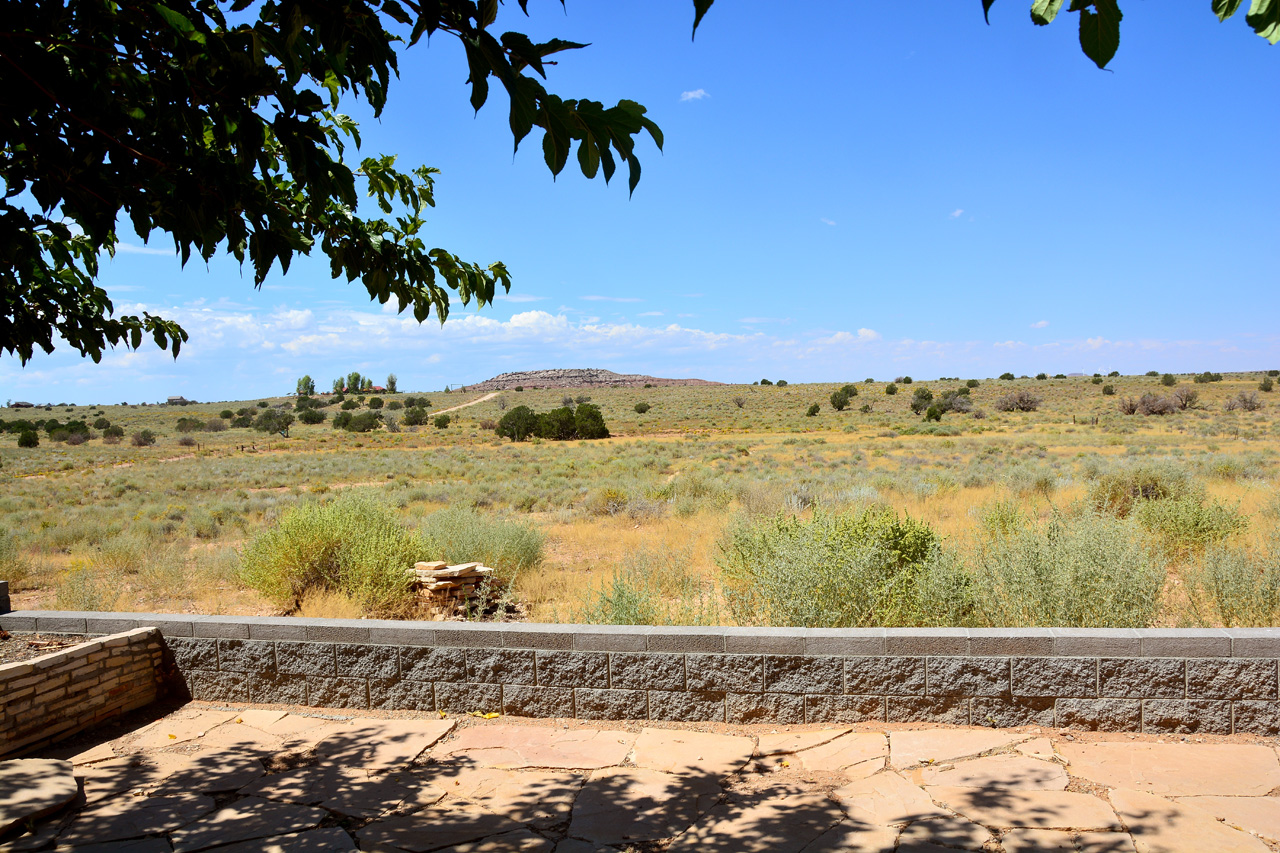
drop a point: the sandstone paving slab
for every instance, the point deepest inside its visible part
(382, 743)
(92, 755)
(135, 845)
(932, 745)
(863, 769)
(33, 787)
(182, 726)
(1004, 771)
(1057, 841)
(300, 733)
(577, 845)
(1164, 826)
(1259, 815)
(1040, 747)
(435, 828)
(345, 790)
(327, 839)
(1031, 809)
(532, 797)
(128, 817)
(855, 837)
(210, 772)
(520, 841)
(843, 752)
(1182, 769)
(137, 772)
(619, 805)
(39, 838)
(887, 798)
(946, 831)
(782, 743)
(259, 718)
(691, 753)
(779, 820)
(531, 746)
(245, 820)
(237, 736)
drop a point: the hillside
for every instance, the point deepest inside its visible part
(588, 378)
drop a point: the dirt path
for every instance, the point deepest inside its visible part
(472, 403)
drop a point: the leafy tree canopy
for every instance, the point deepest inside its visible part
(217, 122)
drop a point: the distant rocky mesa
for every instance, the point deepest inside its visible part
(532, 379)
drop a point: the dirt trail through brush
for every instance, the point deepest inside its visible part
(472, 403)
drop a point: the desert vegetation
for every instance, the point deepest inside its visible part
(1003, 502)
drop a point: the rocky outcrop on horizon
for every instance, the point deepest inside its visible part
(587, 378)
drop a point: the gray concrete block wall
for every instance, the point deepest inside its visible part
(1158, 680)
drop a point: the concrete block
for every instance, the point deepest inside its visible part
(465, 698)
(646, 671)
(306, 658)
(1254, 642)
(469, 636)
(276, 629)
(18, 623)
(193, 652)
(397, 694)
(1185, 643)
(724, 673)
(967, 676)
(1096, 642)
(277, 690)
(62, 624)
(676, 638)
(422, 664)
(572, 669)
(1186, 716)
(252, 656)
(501, 666)
(951, 710)
(109, 624)
(527, 701)
(219, 626)
(1256, 717)
(686, 706)
(1023, 642)
(843, 709)
(368, 661)
(1009, 711)
(337, 630)
(393, 634)
(1232, 678)
(1108, 715)
(769, 641)
(764, 708)
(537, 636)
(885, 676)
(337, 692)
(926, 641)
(610, 704)
(844, 641)
(1142, 678)
(218, 686)
(803, 674)
(1055, 676)
(612, 638)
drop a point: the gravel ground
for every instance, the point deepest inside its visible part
(14, 648)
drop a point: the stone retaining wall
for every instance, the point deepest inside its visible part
(49, 698)
(1154, 680)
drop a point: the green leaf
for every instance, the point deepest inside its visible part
(588, 157)
(1044, 11)
(1100, 31)
(178, 21)
(1264, 17)
(700, 8)
(1225, 8)
(986, 9)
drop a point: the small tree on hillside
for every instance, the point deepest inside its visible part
(839, 400)
(391, 383)
(517, 424)
(274, 420)
(306, 387)
(590, 422)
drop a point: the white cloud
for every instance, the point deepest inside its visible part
(756, 321)
(862, 336)
(132, 249)
(519, 297)
(825, 221)
(1039, 324)
(695, 95)
(594, 298)
(1095, 343)
(650, 314)
(957, 213)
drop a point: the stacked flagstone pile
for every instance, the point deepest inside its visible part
(449, 591)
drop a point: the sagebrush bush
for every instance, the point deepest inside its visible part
(143, 438)
(1189, 521)
(1120, 491)
(1018, 401)
(1089, 571)
(1235, 587)
(641, 408)
(28, 438)
(461, 535)
(651, 587)
(353, 544)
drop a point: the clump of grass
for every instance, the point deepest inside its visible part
(841, 570)
(329, 604)
(1089, 571)
(14, 567)
(352, 544)
(459, 535)
(651, 587)
(82, 587)
(1119, 491)
(1189, 521)
(1235, 587)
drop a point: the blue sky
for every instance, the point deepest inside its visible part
(854, 190)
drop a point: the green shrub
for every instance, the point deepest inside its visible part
(460, 535)
(1188, 521)
(972, 383)
(517, 424)
(348, 405)
(341, 420)
(143, 438)
(1108, 390)
(83, 588)
(242, 422)
(101, 423)
(556, 425)
(312, 416)
(867, 569)
(1236, 588)
(375, 402)
(921, 400)
(813, 411)
(891, 389)
(363, 422)
(395, 406)
(839, 401)
(781, 383)
(1042, 376)
(1006, 376)
(1092, 571)
(1266, 384)
(274, 421)
(1096, 380)
(442, 421)
(226, 414)
(1153, 373)
(1207, 377)
(13, 566)
(651, 587)
(113, 432)
(1119, 492)
(190, 425)
(352, 545)
(1168, 380)
(641, 408)
(1114, 373)
(262, 404)
(590, 422)
(1273, 373)
(415, 416)
(933, 413)
(765, 382)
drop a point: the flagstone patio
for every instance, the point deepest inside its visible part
(246, 779)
